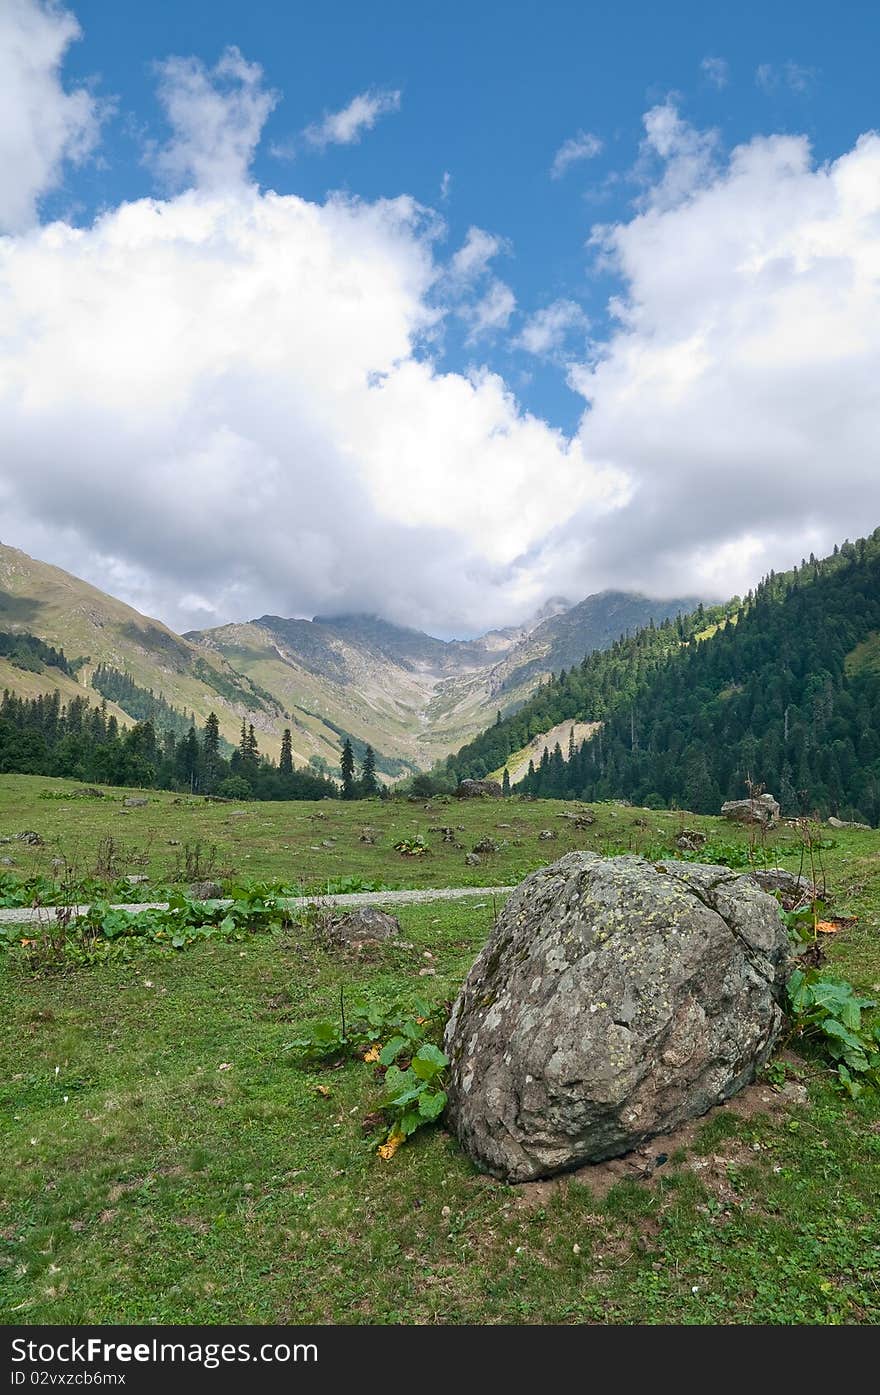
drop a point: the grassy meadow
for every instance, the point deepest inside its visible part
(166, 1159)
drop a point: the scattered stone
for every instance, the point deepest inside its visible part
(474, 789)
(487, 845)
(58, 864)
(473, 859)
(136, 880)
(580, 818)
(87, 792)
(7, 861)
(369, 835)
(794, 891)
(763, 809)
(204, 891)
(690, 840)
(446, 831)
(33, 840)
(135, 803)
(843, 823)
(241, 814)
(613, 1001)
(546, 834)
(328, 842)
(363, 926)
(174, 842)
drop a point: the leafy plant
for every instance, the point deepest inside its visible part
(412, 847)
(403, 1049)
(828, 1012)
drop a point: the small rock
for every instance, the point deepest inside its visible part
(135, 803)
(546, 834)
(487, 845)
(472, 860)
(7, 861)
(690, 840)
(365, 924)
(204, 891)
(32, 839)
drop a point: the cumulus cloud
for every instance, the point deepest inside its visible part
(738, 392)
(42, 123)
(224, 402)
(216, 117)
(716, 71)
(546, 331)
(346, 127)
(583, 146)
(232, 403)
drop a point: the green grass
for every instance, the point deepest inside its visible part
(163, 1189)
(286, 840)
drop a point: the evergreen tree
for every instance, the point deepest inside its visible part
(505, 781)
(369, 783)
(285, 764)
(347, 769)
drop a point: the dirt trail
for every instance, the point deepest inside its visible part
(28, 915)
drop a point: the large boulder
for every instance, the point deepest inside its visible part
(763, 809)
(614, 1000)
(473, 789)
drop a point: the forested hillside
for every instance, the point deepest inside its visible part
(599, 685)
(786, 693)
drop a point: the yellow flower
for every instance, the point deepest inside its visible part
(373, 1053)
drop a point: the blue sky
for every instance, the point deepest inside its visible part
(489, 93)
(436, 311)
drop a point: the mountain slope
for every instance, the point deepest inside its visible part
(412, 697)
(92, 628)
(788, 697)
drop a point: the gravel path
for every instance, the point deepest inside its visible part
(28, 915)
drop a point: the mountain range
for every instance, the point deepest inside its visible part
(411, 696)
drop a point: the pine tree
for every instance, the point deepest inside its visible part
(347, 768)
(505, 781)
(285, 764)
(369, 783)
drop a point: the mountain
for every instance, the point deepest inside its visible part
(94, 629)
(411, 696)
(782, 690)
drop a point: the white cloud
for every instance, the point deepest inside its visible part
(545, 332)
(346, 127)
(738, 392)
(42, 124)
(771, 77)
(224, 392)
(675, 157)
(583, 146)
(716, 71)
(445, 185)
(222, 403)
(491, 312)
(474, 255)
(217, 117)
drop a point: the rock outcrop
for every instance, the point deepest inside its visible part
(763, 808)
(473, 789)
(613, 1001)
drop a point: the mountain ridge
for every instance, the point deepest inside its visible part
(412, 696)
